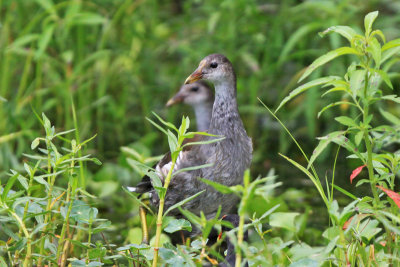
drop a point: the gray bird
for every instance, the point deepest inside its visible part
(230, 157)
(200, 97)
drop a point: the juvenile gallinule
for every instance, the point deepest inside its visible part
(230, 157)
(199, 96)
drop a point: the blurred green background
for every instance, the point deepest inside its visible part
(119, 60)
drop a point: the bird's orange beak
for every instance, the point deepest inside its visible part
(197, 74)
(178, 98)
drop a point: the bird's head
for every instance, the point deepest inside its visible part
(196, 93)
(215, 68)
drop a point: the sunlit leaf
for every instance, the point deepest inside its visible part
(323, 143)
(284, 220)
(8, 186)
(177, 225)
(368, 21)
(345, 31)
(305, 87)
(328, 57)
(346, 121)
(180, 203)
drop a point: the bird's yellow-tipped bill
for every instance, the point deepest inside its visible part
(174, 100)
(197, 74)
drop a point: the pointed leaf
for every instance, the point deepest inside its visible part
(177, 225)
(345, 31)
(305, 87)
(328, 57)
(368, 21)
(323, 143)
(390, 117)
(35, 143)
(391, 44)
(333, 105)
(346, 121)
(8, 186)
(183, 202)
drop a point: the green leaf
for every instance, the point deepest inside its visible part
(358, 138)
(374, 49)
(284, 220)
(23, 181)
(87, 18)
(368, 21)
(161, 191)
(347, 144)
(210, 141)
(391, 44)
(158, 126)
(47, 5)
(193, 168)
(40, 180)
(384, 77)
(390, 117)
(305, 87)
(294, 40)
(345, 31)
(138, 200)
(328, 57)
(155, 179)
(170, 125)
(314, 179)
(172, 141)
(389, 54)
(323, 143)
(46, 124)
(8, 186)
(96, 161)
(177, 225)
(345, 192)
(333, 105)
(357, 81)
(380, 34)
(305, 262)
(217, 186)
(184, 125)
(180, 203)
(346, 121)
(393, 98)
(44, 40)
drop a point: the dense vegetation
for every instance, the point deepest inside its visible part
(90, 72)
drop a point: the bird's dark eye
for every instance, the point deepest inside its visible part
(194, 89)
(214, 65)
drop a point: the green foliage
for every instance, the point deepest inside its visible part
(110, 63)
(363, 83)
(41, 207)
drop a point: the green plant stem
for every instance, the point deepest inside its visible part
(27, 261)
(240, 241)
(89, 237)
(72, 194)
(50, 181)
(160, 213)
(370, 166)
(25, 208)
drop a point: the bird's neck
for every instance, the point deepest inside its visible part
(203, 116)
(225, 109)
